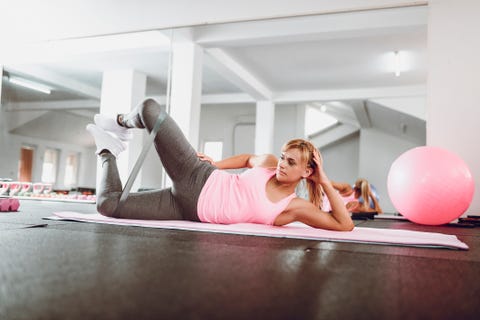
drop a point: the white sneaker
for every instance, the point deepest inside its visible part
(109, 123)
(106, 141)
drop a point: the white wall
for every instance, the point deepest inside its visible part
(288, 125)
(341, 159)
(221, 122)
(453, 94)
(218, 122)
(87, 172)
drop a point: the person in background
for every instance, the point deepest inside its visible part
(361, 197)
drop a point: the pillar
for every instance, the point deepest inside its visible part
(122, 90)
(452, 83)
(264, 127)
(187, 89)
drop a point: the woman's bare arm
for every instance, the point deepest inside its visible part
(242, 161)
(343, 188)
(304, 211)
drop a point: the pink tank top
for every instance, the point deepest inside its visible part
(235, 198)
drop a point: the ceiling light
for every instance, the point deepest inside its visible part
(30, 84)
(397, 63)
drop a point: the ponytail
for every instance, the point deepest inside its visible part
(315, 193)
(365, 192)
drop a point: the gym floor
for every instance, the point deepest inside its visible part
(71, 270)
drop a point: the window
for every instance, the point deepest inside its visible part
(49, 168)
(71, 168)
(213, 149)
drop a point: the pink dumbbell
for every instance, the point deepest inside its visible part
(9, 204)
(4, 204)
(14, 204)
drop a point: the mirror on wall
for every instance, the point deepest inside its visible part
(353, 83)
(52, 90)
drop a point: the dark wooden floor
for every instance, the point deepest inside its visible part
(71, 270)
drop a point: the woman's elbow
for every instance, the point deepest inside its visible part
(347, 226)
(351, 226)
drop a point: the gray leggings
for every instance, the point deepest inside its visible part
(187, 172)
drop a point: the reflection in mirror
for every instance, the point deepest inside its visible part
(353, 83)
(51, 91)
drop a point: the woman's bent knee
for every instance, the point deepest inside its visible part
(148, 109)
(107, 206)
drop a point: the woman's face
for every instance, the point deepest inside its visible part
(291, 167)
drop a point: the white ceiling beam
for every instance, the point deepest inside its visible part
(87, 113)
(414, 106)
(221, 98)
(361, 113)
(332, 135)
(238, 75)
(349, 94)
(52, 105)
(56, 80)
(339, 110)
(66, 50)
(17, 119)
(227, 98)
(313, 96)
(352, 24)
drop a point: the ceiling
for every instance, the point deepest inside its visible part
(317, 60)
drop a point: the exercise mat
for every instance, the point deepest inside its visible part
(294, 230)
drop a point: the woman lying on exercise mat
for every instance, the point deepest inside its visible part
(201, 192)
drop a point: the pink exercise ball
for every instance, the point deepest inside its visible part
(430, 185)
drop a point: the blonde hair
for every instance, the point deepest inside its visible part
(363, 189)
(306, 149)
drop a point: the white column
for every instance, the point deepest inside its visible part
(300, 129)
(187, 88)
(2, 128)
(62, 163)
(264, 127)
(452, 84)
(121, 91)
(1, 81)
